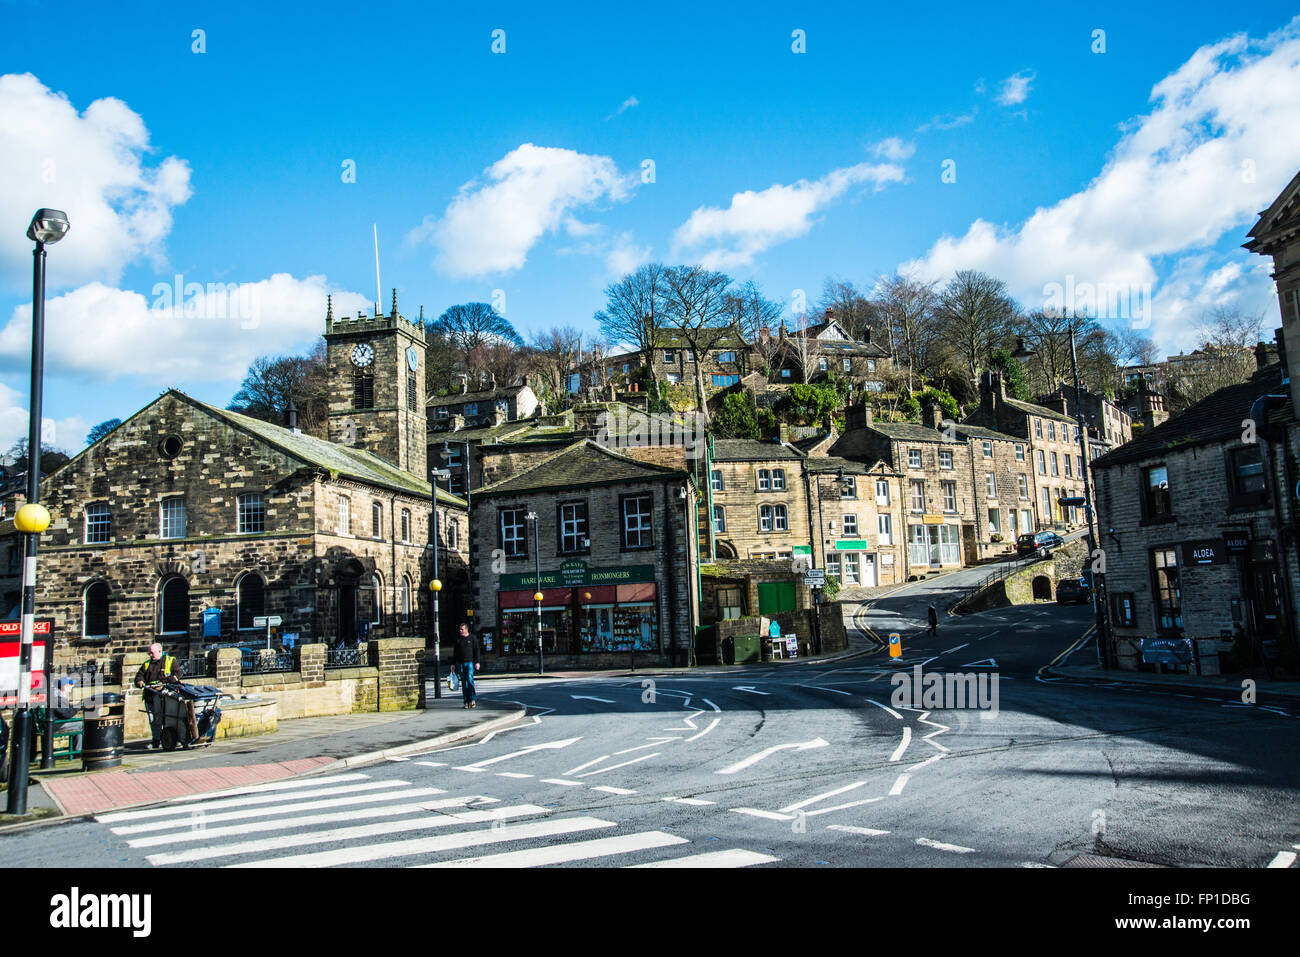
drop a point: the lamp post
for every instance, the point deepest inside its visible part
(435, 586)
(537, 595)
(48, 226)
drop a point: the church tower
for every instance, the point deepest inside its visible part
(376, 386)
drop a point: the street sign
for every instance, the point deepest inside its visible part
(1078, 501)
(811, 575)
(815, 582)
(263, 621)
(895, 645)
(10, 649)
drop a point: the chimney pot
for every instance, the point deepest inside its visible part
(871, 416)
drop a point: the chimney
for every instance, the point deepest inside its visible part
(783, 433)
(870, 415)
(1265, 355)
(464, 383)
(935, 414)
(867, 335)
(291, 417)
(492, 380)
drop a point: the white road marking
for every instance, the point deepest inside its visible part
(831, 690)
(843, 807)
(1283, 859)
(693, 802)
(899, 783)
(297, 784)
(563, 853)
(588, 764)
(924, 719)
(850, 829)
(432, 764)
(958, 648)
(813, 800)
(344, 834)
(334, 817)
(751, 689)
(689, 721)
(928, 660)
(929, 760)
(755, 812)
(246, 800)
(471, 769)
(654, 742)
(907, 739)
(615, 767)
(512, 774)
(612, 790)
(711, 726)
(711, 704)
(585, 697)
(982, 663)
(886, 707)
(432, 845)
(768, 752)
(732, 858)
(940, 846)
(561, 781)
(396, 757)
(547, 746)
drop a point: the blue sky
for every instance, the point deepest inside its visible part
(519, 174)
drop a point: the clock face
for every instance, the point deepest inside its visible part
(363, 354)
(413, 358)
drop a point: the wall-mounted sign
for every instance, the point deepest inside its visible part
(931, 519)
(1207, 552)
(851, 545)
(1166, 651)
(557, 578)
(1235, 543)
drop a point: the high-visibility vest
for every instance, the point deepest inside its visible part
(168, 661)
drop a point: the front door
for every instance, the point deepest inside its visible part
(348, 611)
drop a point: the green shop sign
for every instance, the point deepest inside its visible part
(575, 574)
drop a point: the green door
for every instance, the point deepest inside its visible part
(775, 597)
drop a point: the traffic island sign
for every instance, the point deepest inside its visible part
(895, 645)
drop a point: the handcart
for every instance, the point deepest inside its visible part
(188, 714)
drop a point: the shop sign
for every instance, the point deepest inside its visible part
(1208, 552)
(931, 519)
(851, 545)
(1166, 651)
(1236, 542)
(574, 574)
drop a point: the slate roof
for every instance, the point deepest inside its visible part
(752, 450)
(582, 464)
(833, 463)
(979, 432)
(484, 395)
(1215, 419)
(1029, 408)
(907, 431)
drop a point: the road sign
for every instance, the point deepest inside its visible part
(1078, 501)
(895, 645)
(263, 621)
(815, 573)
(815, 582)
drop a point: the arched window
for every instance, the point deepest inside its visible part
(94, 611)
(404, 599)
(251, 595)
(174, 607)
(764, 480)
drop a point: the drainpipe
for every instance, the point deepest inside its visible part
(708, 478)
(1258, 414)
(392, 574)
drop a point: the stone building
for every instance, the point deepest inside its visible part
(856, 512)
(1277, 235)
(186, 510)
(828, 350)
(721, 364)
(758, 499)
(1001, 489)
(616, 539)
(1108, 423)
(481, 408)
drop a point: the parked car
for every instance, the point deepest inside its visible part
(1072, 591)
(1042, 542)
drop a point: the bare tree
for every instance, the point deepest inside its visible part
(634, 310)
(1225, 357)
(272, 381)
(697, 312)
(554, 356)
(906, 306)
(853, 311)
(472, 328)
(977, 313)
(754, 315)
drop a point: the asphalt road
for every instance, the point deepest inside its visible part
(786, 765)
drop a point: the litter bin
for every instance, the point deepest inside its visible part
(747, 649)
(105, 720)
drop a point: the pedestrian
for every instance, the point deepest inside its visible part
(934, 620)
(154, 673)
(63, 709)
(466, 662)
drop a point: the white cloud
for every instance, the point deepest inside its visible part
(67, 434)
(491, 227)
(625, 256)
(755, 221)
(92, 166)
(948, 121)
(1015, 88)
(1198, 167)
(894, 149)
(630, 102)
(101, 333)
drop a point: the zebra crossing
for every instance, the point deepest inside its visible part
(350, 819)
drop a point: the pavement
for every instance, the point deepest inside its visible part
(297, 747)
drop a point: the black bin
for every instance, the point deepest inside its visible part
(105, 720)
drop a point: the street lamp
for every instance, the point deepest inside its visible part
(435, 586)
(48, 226)
(537, 595)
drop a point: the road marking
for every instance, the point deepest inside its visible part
(924, 719)
(831, 690)
(512, 774)
(1283, 859)
(755, 812)
(547, 746)
(899, 783)
(432, 764)
(732, 858)
(851, 829)
(711, 726)
(334, 817)
(563, 853)
(1037, 864)
(750, 689)
(886, 707)
(247, 800)
(562, 782)
(940, 846)
(768, 752)
(982, 663)
(958, 648)
(843, 807)
(584, 697)
(273, 786)
(929, 760)
(693, 802)
(654, 742)
(907, 739)
(342, 834)
(396, 758)
(928, 660)
(612, 790)
(813, 800)
(711, 704)
(582, 767)
(689, 721)
(615, 767)
(432, 845)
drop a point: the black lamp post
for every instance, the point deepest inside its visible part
(435, 586)
(537, 595)
(48, 226)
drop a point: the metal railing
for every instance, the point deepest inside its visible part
(261, 662)
(346, 658)
(194, 667)
(88, 673)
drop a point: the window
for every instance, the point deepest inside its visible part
(1020, 453)
(995, 521)
(377, 606)
(376, 520)
(715, 477)
(97, 523)
(988, 450)
(833, 565)
(406, 525)
(871, 365)
(990, 485)
(1045, 513)
(1055, 466)
(729, 603)
(765, 518)
(764, 480)
(1069, 472)
(453, 533)
(252, 514)
(945, 459)
(821, 364)
(917, 489)
(849, 488)
(785, 373)
(913, 458)
(1246, 486)
(404, 600)
(778, 480)
(363, 391)
(851, 576)
(174, 607)
(172, 521)
(1122, 615)
(719, 519)
(882, 492)
(949, 491)
(471, 408)
(1168, 592)
(514, 534)
(1079, 461)
(345, 517)
(850, 526)
(637, 530)
(778, 518)
(726, 357)
(1026, 520)
(885, 530)
(848, 366)
(1022, 485)
(440, 412)
(670, 357)
(1051, 431)
(673, 378)
(573, 527)
(412, 396)
(1156, 504)
(1038, 428)
(722, 381)
(94, 611)
(250, 594)
(1042, 462)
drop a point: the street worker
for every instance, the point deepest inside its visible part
(159, 670)
(466, 663)
(934, 620)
